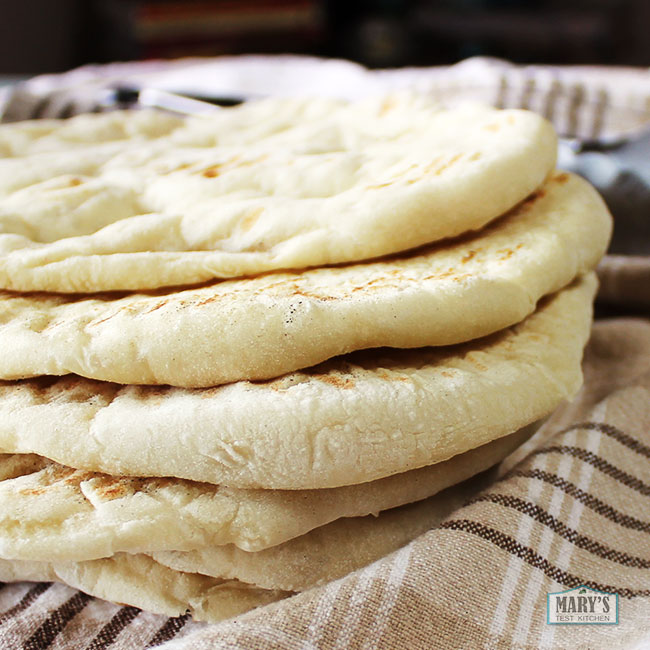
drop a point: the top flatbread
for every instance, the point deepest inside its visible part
(258, 328)
(143, 201)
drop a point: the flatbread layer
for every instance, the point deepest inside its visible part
(325, 553)
(174, 582)
(353, 419)
(139, 581)
(55, 513)
(263, 327)
(109, 202)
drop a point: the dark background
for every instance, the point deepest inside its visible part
(54, 35)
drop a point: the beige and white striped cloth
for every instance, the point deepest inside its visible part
(586, 102)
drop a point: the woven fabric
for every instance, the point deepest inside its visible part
(625, 280)
(582, 101)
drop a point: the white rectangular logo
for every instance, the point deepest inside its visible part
(582, 606)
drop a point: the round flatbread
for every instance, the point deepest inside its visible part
(105, 203)
(140, 581)
(353, 419)
(326, 553)
(263, 327)
(199, 581)
(55, 513)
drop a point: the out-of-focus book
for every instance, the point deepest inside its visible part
(172, 28)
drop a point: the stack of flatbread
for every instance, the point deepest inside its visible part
(248, 352)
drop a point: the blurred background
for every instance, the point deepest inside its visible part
(45, 36)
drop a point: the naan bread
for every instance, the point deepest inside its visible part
(174, 582)
(275, 184)
(326, 553)
(55, 513)
(354, 419)
(139, 581)
(263, 327)
(81, 133)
